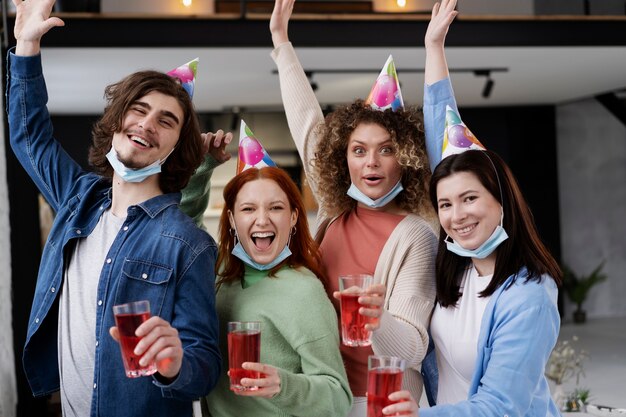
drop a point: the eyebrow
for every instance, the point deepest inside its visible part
(386, 142)
(464, 193)
(165, 113)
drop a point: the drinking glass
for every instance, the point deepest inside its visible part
(244, 345)
(128, 317)
(384, 376)
(353, 331)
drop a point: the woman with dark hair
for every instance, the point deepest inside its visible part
(369, 173)
(496, 320)
(268, 271)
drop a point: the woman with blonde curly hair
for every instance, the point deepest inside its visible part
(369, 172)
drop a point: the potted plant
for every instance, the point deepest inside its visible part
(577, 288)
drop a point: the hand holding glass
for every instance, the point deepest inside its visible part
(384, 376)
(128, 317)
(353, 332)
(244, 345)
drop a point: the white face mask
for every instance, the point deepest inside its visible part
(134, 175)
(358, 195)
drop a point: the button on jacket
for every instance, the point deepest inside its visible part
(158, 255)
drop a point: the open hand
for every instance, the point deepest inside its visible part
(280, 21)
(215, 144)
(32, 21)
(442, 16)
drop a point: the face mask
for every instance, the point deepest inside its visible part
(239, 252)
(356, 194)
(498, 236)
(134, 175)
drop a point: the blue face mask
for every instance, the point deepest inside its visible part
(498, 236)
(356, 194)
(134, 175)
(241, 253)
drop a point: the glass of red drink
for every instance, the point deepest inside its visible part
(384, 376)
(244, 345)
(128, 317)
(353, 331)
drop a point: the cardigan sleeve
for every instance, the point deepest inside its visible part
(407, 267)
(304, 114)
(436, 97)
(510, 368)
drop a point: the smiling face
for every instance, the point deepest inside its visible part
(372, 162)
(468, 212)
(263, 219)
(150, 130)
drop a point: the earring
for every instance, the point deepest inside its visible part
(293, 231)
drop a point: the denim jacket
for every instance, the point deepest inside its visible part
(158, 255)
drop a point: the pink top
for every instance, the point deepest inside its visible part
(352, 245)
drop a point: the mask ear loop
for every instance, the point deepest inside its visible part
(233, 228)
(499, 188)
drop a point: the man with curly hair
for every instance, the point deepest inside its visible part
(118, 237)
(369, 172)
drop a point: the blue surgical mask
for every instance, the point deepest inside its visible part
(134, 175)
(241, 253)
(356, 194)
(498, 236)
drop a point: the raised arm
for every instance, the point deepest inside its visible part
(438, 91)
(303, 111)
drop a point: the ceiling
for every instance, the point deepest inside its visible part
(244, 77)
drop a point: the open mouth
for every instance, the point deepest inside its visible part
(140, 141)
(262, 240)
(372, 178)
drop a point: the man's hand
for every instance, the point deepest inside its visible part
(215, 144)
(159, 343)
(32, 21)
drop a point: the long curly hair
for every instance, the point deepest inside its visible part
(183, 162)
(406, 129)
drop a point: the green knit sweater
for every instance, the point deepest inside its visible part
(298, 336)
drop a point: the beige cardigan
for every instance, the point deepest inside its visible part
(407, 263)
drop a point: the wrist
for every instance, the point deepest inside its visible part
(279, 38)
(27, 48)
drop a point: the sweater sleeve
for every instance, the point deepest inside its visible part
(436, 97)
(523, 333)
(196, 194)
(408, 269)
(321, 386)
(303, 112)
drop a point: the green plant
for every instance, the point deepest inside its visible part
(577, 286)
(577, 400)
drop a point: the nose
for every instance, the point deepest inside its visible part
(458, 213)
(148, 123)
(373, 159)
(262, 217)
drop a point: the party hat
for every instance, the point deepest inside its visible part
(186, 74)
(457, 137)
(251, 152)
(386, 92)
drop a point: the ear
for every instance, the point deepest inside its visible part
(294, 217)
(231, 219)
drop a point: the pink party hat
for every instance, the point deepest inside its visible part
(386, 92)
(251, 152)
(186, 74)
(457, 137)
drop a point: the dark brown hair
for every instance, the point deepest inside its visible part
(523, 248)
(182, 163)
(304, 251)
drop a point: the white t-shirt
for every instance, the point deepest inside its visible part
(77, 316)
(455, 333)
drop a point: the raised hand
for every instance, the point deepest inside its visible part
(269, 385)
(32, 21)
(280, 21)
(442, 16)
(215, 144)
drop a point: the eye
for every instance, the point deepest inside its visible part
(247, 209)
(138, 109)
(387, 150)
(276, 208)
(167, 123)
(444, 205)
(470, 198)
(358, 151)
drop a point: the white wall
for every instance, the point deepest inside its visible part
(592, 195)
(8, 394)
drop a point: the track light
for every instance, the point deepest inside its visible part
(489, 82)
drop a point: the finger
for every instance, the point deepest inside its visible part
(228, 138)
(370, 312)
(147, 326)
(259, 367)
(217, 138)
(435, 11)
(115, 333)
(400, 395)
(371, 302)
(376, 290)
(337, 295)
(167, 345)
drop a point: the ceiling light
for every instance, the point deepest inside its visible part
(187, 3)
(402, 6)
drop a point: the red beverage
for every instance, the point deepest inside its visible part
(380, 383)
(127, 324)
(353, 331)
(243, 346)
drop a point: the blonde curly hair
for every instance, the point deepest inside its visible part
(330, 163)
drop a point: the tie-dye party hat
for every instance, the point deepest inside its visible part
(385, 93)
(251, 152)
(186, 74)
